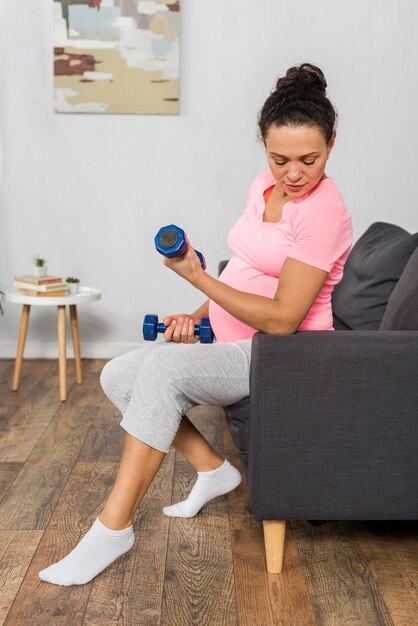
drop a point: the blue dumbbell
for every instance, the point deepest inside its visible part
(151, 328)
(171, 241)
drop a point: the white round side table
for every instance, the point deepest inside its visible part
(86, 294)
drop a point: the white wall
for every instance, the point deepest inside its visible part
(90, 191)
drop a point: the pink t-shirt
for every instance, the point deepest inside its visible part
(315, 229)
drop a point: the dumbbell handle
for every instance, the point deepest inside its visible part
(161, 328)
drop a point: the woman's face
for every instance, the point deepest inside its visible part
(297, 156)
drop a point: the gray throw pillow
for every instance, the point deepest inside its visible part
(371, 272)
(402, 309)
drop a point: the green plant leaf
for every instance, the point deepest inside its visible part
(39, 261)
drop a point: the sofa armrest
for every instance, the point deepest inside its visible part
(334, 425)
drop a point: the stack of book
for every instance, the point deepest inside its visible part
(44, 286)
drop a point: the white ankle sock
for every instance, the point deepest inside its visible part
(209, 485)
(96, 550)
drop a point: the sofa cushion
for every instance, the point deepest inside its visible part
(372, 270)
(402, 309)
(338, 324)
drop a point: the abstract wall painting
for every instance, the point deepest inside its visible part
(116, 56)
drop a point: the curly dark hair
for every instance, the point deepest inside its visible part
(299, 98)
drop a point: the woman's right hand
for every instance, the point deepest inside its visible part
(180, 328)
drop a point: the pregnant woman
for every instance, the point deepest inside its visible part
(288, 252)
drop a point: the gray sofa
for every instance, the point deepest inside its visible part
(330, 430)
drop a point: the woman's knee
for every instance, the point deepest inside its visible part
(118, 376)
(108, 377)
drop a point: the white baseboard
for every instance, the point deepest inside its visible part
(49, 350)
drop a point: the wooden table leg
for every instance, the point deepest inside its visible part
(24, 321)
(62, 356)
(76, 343)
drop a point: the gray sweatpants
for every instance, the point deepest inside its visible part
(157, 384)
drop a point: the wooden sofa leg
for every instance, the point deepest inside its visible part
(274, 533)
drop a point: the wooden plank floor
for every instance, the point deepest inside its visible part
(57, 464)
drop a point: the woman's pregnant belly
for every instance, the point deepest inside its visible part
(239, 275)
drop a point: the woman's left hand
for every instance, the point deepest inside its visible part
(187, 266)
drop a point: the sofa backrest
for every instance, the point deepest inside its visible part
(402, 309)
(222, 265)
(372, 271)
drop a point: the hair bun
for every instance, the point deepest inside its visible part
(305, 77)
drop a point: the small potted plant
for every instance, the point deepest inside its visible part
(39, 266)
(72, 284)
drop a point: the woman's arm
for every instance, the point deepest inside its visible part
(298, 287)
